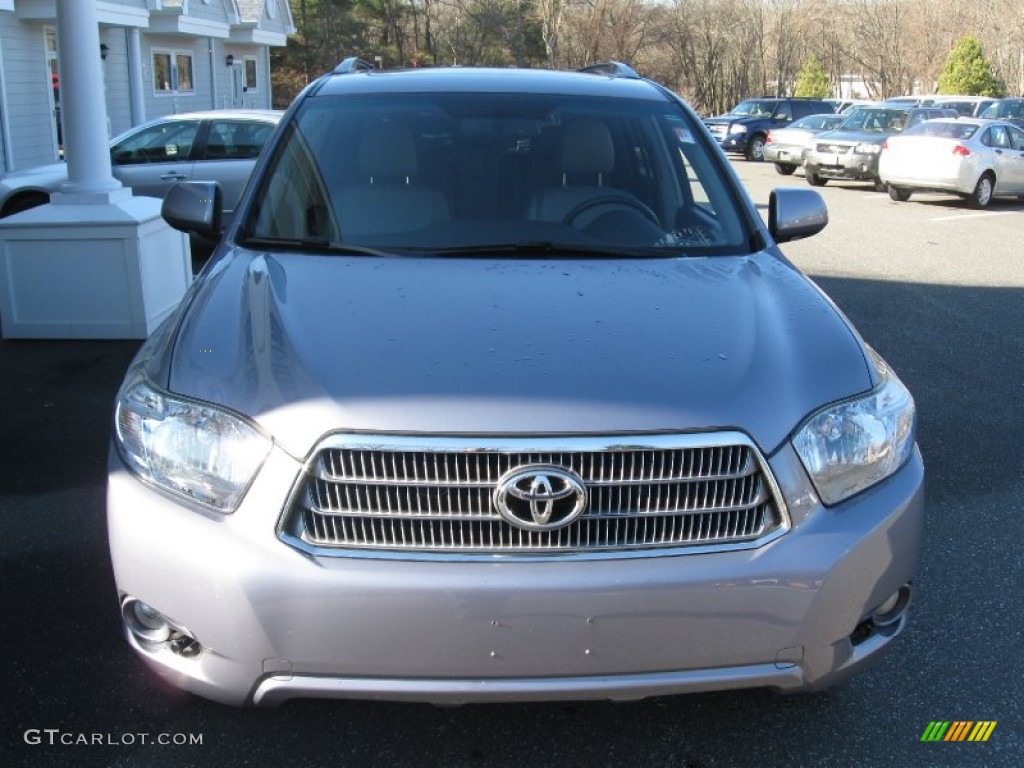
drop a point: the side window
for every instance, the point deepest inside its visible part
(784, 111)
(163, 143)
(1017, 138)
(235, 139)
(916, 118)
(998, 137)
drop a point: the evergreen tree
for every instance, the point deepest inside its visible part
(812, 82)
(967, 72)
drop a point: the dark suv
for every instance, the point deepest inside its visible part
(745, 128)
(497, 388)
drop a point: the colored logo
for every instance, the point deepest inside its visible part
(958, 730)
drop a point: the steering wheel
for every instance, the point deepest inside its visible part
(624, 202)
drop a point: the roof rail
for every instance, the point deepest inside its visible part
(612, 69)
(353, 64)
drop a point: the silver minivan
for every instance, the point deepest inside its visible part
(499, 388)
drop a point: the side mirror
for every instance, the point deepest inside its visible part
(794, 213)
(194, 206)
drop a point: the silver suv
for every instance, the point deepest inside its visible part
(499, 388)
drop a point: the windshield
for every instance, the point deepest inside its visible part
(496, 173)
(1011, 109)
(817, 122)
(876, 120)
(944, 130)
(755, 108)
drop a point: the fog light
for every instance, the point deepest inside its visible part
(145, 622)
(893, 608)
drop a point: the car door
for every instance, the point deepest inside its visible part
(1015, 161)
(1004, 158)
(156, 156)
(228, 156)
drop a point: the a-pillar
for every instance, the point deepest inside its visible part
(96, 262)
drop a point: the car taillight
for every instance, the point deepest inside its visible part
(768, 138)
(961, 151)
(885, 145)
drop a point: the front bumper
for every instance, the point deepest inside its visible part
(852, 165)
(733, 142)
(275, 623)
(786, 155)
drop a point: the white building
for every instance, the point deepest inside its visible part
(158, 57)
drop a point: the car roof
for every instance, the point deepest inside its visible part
(231, 114)
(491, 80)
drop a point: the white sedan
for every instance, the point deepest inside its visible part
(975, 159)
(785, 146)
(219, 145)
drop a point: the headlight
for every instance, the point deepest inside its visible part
(739, 128)
(868, 149)
(192, 449)
(850, 446)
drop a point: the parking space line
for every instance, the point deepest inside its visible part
(976, 215)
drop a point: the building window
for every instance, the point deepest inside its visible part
(251, 80)
(172, 72)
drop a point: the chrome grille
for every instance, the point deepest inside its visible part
(688, 491)
(835, 149)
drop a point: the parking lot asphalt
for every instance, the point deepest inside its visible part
(938, 289)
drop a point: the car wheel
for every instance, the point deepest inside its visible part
(982, 194)
(814, 179)
(899, 195)
(784, 169)
(755, 148)
(25, 202)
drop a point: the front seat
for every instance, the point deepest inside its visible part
(586, 156)
(385, 198)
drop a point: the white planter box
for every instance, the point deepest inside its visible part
(111, 271)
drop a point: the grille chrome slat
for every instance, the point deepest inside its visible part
(697, 491)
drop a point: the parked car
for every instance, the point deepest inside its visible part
(745, 128)
(976, 159)
(515, 398)
(1011, 109)
(785, 146)
(903, 101)
(850, 152)
(845, 106)
(966, 106)
(219, 146)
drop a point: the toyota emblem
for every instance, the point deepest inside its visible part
(540, 498)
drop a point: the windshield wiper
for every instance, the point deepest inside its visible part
(312, 245)
(549, 248)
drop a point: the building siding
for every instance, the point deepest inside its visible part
(27, 95)
(115, 80)
(27, 128)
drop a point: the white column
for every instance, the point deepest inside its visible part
(97, 262)
(136, 83)
(86, 144)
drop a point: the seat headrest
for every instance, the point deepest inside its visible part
(386, 150)
(587, 147)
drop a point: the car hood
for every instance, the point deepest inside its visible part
(306, 345)
(730, 119)
(861, 137)
(792, 135)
